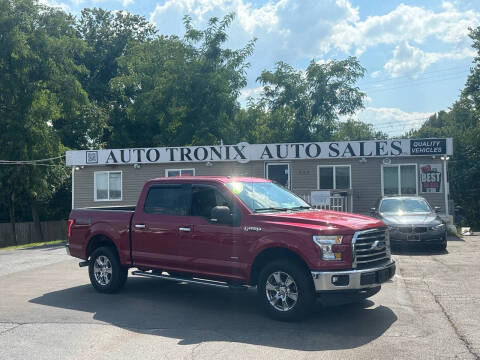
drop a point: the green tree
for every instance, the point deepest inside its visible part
(307, 105)
(180, 91)
(38, 52)
(356, 130)
(106, 35)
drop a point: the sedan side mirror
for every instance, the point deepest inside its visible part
(373, 211)
(221, 215)
(437, 209)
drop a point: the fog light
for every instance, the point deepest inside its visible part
(340, 280)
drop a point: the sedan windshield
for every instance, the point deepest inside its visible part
(404, 206)
(266, 196)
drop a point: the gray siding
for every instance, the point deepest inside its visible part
(365, 179)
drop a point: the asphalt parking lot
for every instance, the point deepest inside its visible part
(48, 310)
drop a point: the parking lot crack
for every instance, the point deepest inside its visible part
(459, 335)
(6, 327)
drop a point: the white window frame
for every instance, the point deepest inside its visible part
(289, 184)
(108, 185)
(335, 176)
(400, 177)
(180, 171)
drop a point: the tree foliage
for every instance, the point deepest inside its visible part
(180, 91)
(307, 105)
(462, 123)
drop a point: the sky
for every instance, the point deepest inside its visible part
(417, 54)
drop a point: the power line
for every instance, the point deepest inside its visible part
(38, 162)
(32, 161)
(401, 86)
(407, 77)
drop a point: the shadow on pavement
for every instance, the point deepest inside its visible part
(195, 314)
(418, 250)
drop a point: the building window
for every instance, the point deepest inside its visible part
(332, 177)
(400, 179)
(179, 172)
(108, 185)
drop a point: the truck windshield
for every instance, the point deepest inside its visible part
(266, 197)
(404, 206)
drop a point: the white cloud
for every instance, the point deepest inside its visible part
(404, 23)
(55, 4)
(247, 93)
(392, 121)
(286, 29)
(411, 61)
(125, 3)
(299, 30)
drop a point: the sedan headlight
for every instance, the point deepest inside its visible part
(326, 242)
(438, 227)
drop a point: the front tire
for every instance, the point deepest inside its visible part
(106, 273)
(286, 290)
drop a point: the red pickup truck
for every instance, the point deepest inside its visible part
(234, 232)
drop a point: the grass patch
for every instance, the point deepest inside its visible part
(33, 245)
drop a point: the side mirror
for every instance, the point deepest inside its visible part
(437, 209)
(373, 211)
(221, 215)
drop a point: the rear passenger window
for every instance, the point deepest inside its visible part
(168, 200)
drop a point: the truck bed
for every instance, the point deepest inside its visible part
(89, 222)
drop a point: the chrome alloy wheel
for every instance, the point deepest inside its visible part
(281, 290)
(102, 268)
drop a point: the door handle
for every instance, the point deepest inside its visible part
(186, 229)
(140, 226)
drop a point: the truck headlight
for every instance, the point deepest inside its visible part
(326, 242)
(438, 227)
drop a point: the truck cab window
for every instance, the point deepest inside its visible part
(205, 198)
(167, 200)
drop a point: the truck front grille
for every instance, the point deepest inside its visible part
(370, 247)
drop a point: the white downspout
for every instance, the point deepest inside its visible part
(446, 185)
(73, 187)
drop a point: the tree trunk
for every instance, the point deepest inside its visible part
(36, 222)
(12, 218)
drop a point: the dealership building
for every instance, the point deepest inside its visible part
(346, 176)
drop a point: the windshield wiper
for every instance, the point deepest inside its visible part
(271, 209)
(300, 207)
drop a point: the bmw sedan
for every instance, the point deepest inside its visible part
(412, 220)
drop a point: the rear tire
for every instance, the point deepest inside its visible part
(106, 273)
(286, 290)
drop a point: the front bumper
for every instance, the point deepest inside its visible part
(353, 279)
(397, 237)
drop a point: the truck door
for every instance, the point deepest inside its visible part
(156, 226)
(212, 248)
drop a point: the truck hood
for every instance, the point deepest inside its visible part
(325, 218)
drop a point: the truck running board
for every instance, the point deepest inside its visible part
(190, 280)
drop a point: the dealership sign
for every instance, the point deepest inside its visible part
(244, 152)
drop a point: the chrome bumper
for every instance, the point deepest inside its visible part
(67, 248)
(353, 279)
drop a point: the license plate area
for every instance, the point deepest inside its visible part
(383, 275)
(376, 277)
